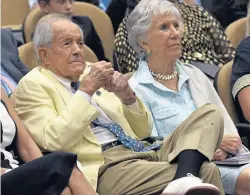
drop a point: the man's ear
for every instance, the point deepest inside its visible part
(44, 56)
(44, 6)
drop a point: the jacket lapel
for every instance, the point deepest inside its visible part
(64, 93)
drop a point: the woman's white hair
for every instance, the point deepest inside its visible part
(44, 31)
(139, 20)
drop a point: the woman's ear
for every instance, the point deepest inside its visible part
(44, 56)
(144, 45)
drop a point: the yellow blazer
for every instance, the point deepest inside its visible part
(59, 121)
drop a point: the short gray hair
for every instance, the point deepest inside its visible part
(44, 32)
(140, 19)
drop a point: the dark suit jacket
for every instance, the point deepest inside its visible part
(91, 37)
(226, 11)
(241, 74)
(116, 11)
(10, 60)
(95, 2)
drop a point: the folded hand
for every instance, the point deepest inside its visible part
(119, 85)
(220, 155)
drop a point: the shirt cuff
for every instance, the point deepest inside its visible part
(85, 95)
(8, 170)
(135, 108)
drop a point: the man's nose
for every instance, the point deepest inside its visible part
(76, 49)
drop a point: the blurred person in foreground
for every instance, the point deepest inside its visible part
(55, 173)
(174, 91)
(105, 128)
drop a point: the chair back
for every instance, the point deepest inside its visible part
(223, 86)
(102, 24)
(13, 12)
(28, 56)
(30, 23)
(236, 31)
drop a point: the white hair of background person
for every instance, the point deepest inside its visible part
(44, 32)
(140, 19)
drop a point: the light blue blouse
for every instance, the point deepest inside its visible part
(168, 108)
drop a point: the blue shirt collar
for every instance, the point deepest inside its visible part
(144, 77)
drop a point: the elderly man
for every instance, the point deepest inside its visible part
(105, 129)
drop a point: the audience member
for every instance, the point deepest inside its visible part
(241, 78)
(225, 11)
(55, 173)
(173, 91)
(34, 3)
(202, 41)
(12, 68)
(116, 12)
(95, 2)
(105, 127)
(91, 38)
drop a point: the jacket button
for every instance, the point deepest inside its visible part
(98, 93)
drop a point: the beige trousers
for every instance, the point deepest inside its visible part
(128, 172)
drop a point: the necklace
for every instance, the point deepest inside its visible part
(164, 77)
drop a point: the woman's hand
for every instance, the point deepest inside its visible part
(230, 143)
(220, 155)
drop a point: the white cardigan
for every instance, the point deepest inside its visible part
(203, 92)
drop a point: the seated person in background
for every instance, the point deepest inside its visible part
(105, 127)
(203, 40)
(241, 80)
(95, 2)
(12, 68)
(33, 3)
(116, 11)
(65, 7)
(55, 173)
(225, 11)
(173, 91)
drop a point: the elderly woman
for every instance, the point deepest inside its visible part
(55, 173)
(202, 41)
(171, 90)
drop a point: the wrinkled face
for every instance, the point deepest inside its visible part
(64, 7)
(164, 38)
(65, 57)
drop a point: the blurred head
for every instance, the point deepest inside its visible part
(59, 46)
(64, 7)
(154, 29)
